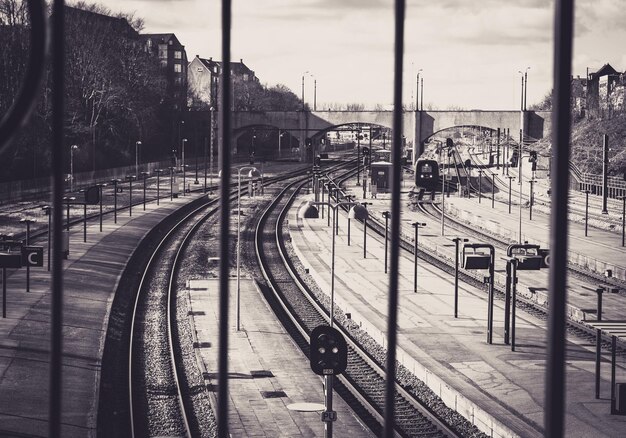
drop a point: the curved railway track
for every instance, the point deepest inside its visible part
(159, 399)
(364, 379)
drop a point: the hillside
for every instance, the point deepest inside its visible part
(586, 143)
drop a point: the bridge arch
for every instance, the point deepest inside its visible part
(417, 126)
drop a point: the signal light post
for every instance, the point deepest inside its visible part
(510, 179)
(482, 261)
(456, 241)
(520, 257)
(158, 172)
(386, 215)
(329, 357)
(417, 226)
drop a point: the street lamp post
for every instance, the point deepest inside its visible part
(130, 179)
(145, 175)
(212, 110)
(68, 200)
(195, 148)
(417, 226)
(586, 210)
(100, 186)
(510, 177)
(365, 204)
(48, 211)
(72, 149)
(350, 198)
(531, 199)
(253, 172)
(493, 190)
(115, 182)
(623, 218)
(386, 215)
(183, 141)
(171, 168)
(358, 156)
(158, 172)
(137, 144)
(28, 222)
(480, 191)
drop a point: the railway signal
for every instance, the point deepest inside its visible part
(329, 357)
(329, 351)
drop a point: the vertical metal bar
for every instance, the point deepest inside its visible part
(27, 267)
(514, 301)
(490, 298)
(225, 119)
(4, 292)
(415, 259)
(623, 219)
(332, 271)
(49, 236)
(598, 341)
(56, 302)
(85, 222)
(365, 238)
(507, 302)
(456, 277)
(555, 370)
(392, 323)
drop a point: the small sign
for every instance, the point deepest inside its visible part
(10, 260)
(329, 416)
(32, 255)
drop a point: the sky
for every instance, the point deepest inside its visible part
(470, 52)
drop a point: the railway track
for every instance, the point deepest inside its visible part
(160, 400)
(302, 310)
(447, 265)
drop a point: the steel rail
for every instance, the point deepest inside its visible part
(210, 204)
(321, 313)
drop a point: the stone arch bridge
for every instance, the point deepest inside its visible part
(417, 126)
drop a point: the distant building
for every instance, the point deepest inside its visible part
(204, 77)
(173, 58)
(579, 96)
(92, 19)
(605, 91)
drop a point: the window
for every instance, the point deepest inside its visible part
(245, 76)
(178, 68)
(178, 54)
(162, 51)
(199, 69)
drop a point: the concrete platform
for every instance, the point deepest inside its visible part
(263, 360)
(500, 391)
(90, 279)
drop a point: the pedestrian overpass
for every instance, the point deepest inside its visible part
(417, 126)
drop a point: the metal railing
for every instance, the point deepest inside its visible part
(555, 372)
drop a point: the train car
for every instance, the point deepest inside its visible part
(427, 174)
